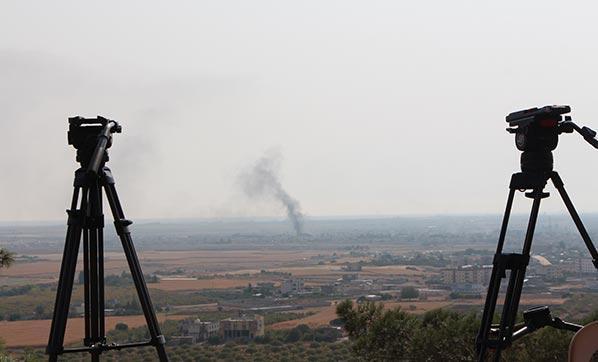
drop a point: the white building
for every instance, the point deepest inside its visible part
(242, 327)
(198, 330)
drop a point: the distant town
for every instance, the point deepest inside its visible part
(213, 282)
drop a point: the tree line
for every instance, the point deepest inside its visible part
(377, 334)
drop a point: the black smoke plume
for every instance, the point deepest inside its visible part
(262, 180)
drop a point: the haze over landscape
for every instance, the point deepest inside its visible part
(382, 108)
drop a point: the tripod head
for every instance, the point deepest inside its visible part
(92, 137)
(537, 133)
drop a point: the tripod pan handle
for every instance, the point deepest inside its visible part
(98, 153)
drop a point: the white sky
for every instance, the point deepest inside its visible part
(378, 107)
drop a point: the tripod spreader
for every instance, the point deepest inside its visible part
(536, 318)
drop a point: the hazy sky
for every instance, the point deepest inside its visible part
(378, 107)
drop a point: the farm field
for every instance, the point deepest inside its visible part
(327, 270)
(200, 262)
(34, 333)
(199, 284)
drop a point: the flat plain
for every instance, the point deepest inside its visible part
(34, 333)
(214, 268)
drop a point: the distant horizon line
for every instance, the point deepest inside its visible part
(167, 220)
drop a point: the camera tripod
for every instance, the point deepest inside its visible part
(92, 137)
(536, 166)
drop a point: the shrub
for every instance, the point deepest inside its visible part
(409, 292)
(214, 340)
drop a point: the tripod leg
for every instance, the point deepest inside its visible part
(494, 287)
(86, 299)
(518, 266)
(67, 275)
(558, 183)
(96, 281)
(124, 234)
(101, 268)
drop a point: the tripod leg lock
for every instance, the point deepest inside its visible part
(122, 226)
(75, 217)
(159, 340)
(510, 261)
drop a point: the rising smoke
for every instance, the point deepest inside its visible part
(261, 181)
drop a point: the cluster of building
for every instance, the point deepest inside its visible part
(239, 328)
(474, 279)
(292, 286)
(467, 279)
(467, 274)
(571, 267)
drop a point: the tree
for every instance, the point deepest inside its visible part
(409, 292)
(439, 335)
(293, 336)
(6, 258)
(392, 335)
(214, 340)
(39, 310)
(31, 355)
(301, 332)
(377, 334)
(445, 336)
(4, 357)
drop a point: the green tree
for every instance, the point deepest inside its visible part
(39, 310)
(378, 334)
(214, 340)
(445, 336)
(4, 357)
(547, 344)
(293, 336)
(30, 355)
(409, 292)
(438, 335)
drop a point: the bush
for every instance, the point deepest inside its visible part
(214, 340)
(378, 335)
(293, 336)
(327, 334)
(409, 292)
(263, 339)
(439, 335)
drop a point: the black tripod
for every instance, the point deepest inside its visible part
(92, 137)
(536, 136)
